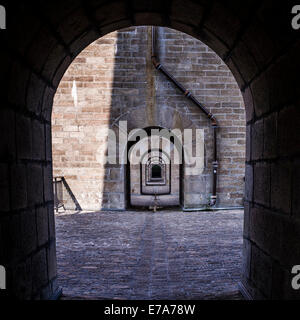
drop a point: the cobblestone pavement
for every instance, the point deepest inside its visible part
(146, 255)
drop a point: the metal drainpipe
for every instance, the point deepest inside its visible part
(189, 95)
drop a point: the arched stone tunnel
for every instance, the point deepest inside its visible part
(257, 42)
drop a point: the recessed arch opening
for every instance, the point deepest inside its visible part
(147, 192)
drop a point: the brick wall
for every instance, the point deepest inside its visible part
(114, 80)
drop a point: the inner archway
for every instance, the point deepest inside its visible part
(155, 170)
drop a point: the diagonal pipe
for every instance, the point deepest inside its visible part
(191, 97)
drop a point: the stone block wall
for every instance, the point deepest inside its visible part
(114, 80)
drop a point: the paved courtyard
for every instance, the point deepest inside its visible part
(146, 255)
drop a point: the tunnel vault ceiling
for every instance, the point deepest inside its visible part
(256, 41)
(248, 36)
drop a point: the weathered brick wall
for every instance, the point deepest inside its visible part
(114, 80)
(209, 79)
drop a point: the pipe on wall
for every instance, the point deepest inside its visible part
(212, 209)
(191, 97)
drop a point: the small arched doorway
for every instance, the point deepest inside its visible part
(154, 170)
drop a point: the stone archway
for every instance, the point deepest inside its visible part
(168, 158)
(255, 40)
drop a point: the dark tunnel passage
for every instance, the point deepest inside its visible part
(256, 41)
